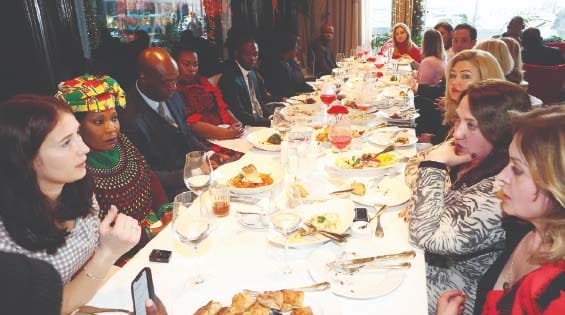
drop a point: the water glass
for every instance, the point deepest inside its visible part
(286, 223)
(220, 199)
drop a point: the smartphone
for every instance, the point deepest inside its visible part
(361, 215)
(160, 255)
(141, 290)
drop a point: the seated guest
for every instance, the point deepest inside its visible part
(500, 52)
(121, 174)
(432, 67)
(321, 58)
(514, 28)
(208, 54)
(47, 207)
(283, 76)
(205, 107)
(402, 43)
(528, 277)
(536, 53)
(155, 121)
(516, 75)
(464, 37)
(458, 224)
(446, 31)
(241, 86)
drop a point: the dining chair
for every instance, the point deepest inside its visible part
(545, 82)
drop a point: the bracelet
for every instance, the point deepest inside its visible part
(91, 276)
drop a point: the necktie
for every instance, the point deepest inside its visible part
(164, 115)
(255, 105)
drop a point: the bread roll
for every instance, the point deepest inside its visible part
(212, 308)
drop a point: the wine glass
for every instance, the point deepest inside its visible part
(328, 93)
(191, 226)
(286, 223)
(339, 59)
(279, 123)
(197, 172)
(340, 134)
(380, 61)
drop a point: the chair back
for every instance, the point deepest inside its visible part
(560, 45)
(545, 82)
(215, 79)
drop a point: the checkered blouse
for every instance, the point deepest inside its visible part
(69, 259)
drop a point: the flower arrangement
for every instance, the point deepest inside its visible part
(338, 110)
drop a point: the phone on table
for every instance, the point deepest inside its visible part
(160, 255)
(141, 290)
(361, 215)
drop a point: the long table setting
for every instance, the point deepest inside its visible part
(298, 240)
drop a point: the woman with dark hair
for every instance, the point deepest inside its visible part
(47, 208)
(529, 277)
(454, 214)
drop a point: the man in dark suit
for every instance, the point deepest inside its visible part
(536, 53)
(154, 119)
(241, 86)
(321, 58)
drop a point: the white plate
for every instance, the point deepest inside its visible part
(405, 61)
(344, 208)
(230, 170)
(360, 285)
(408, 118)
(302, 111)
(362, 172)
(259, 137)
(383, 137)
(391, 191)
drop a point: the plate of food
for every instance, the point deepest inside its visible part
(401, 116)
(302, 99)
(303, 111)
(246, 178)
(322, 134)
(393, 135)
(363, 164)
(334, 215)
(404, 61)
(389, 190)
(362, 284)
(265, 139)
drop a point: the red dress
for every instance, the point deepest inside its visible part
(539, 292)
(402, 49)
(204, 102)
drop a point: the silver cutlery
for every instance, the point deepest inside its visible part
(309, 288)
(341, 191)
(340, 238)
(364, 260)
(379, 232)
(93, 310)
(377, 214)
(352, 269)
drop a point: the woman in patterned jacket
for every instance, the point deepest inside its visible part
(458, 224)
(47, 208)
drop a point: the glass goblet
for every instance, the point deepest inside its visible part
(286, 223)
(197, 173)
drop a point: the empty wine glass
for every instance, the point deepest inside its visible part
(279, 123)
(191, 226)
(197, 173)
(339, 59)
(286, 223)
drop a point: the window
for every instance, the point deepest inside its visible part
(491, 17)
(376, 21)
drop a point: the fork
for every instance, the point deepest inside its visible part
(309, 288)
(334, 236)
(353, 269)
(379, 232)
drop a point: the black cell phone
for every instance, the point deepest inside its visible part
(160, 255)
(361, 215)
(141, 290)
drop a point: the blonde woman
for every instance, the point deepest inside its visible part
(432, 67)
(402, 43)
(500, 51)
(529, 276)
(516, 75)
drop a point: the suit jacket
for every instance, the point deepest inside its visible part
(284, 78)
(322, 57)
(236, 95)
(163, 145)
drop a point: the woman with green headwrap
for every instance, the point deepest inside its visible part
(122, 176)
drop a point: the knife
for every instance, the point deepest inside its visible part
(357, 261)
(245, 200)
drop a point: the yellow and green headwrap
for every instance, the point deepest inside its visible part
(91, 93)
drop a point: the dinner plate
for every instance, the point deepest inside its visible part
(383, 137)
(404, 61)
(361, 284)
(404, 117)
(332, 164)
(302, 111)
(259, 139)
(228, 171)
(391, 191)
(342, 208)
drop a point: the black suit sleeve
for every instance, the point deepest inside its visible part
(233, 96)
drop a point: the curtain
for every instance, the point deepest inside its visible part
(402, 11)
(345, 16)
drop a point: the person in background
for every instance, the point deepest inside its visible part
(121, 174)
(283, 76)
(464, 37)
(500, 52)
(207, 113)
(516, 75)
(432, 67)
(321, 58)
(241, 86)
(514, 29)
(446, 31)
(454, 215)
(207, 53)
(155, 121)
(536, 53)
(402, 43)
(528, 277)
(47, 207)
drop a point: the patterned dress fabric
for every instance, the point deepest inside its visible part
(204, 102)
(77, 250)
(459, 228)
(124, 182)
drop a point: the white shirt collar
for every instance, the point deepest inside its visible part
(244, 71)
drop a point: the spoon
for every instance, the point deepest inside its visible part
(378, 213)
